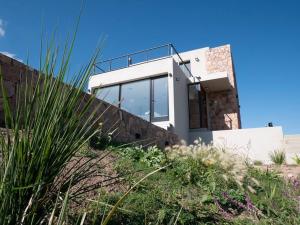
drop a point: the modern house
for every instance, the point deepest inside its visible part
(188, 93)
(192, 94)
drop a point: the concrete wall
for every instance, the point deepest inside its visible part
(255, 143)
(197, 59)
(181, 113)
(130, 128)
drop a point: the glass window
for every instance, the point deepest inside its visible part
(109, 94)
(135, 98)
(160, 98)
(194, 106)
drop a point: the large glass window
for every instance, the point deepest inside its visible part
(135, 98)
(160, 99)
(147, 99)
(109, 94)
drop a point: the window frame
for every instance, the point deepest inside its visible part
(129, 82)
(163, 118)
(151, 79)
(200, 103)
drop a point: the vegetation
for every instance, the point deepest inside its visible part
(51, 123)
(257, 163)
(297, 159)
(200, 185)
(278, 157)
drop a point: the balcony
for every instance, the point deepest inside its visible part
(138, 58)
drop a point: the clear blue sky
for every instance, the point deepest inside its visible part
(264, 35)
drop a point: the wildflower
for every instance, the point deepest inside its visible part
(221, 210)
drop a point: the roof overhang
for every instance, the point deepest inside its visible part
(218, 81)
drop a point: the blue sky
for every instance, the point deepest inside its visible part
(264, 36)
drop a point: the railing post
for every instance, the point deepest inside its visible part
(110, 65)
(129, 61)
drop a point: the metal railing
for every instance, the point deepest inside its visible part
(137, 58)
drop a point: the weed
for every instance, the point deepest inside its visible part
(278, 157)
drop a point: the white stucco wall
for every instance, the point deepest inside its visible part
(255, 143)
(181, 112)
(197, 59)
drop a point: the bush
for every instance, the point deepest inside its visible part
(297, 159)
(278, 157)
(257, 163)
(152, 156)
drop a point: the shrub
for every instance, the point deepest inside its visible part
(297, 159)
(257, 163)
(152, 156)
(278, 157)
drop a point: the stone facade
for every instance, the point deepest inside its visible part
(224, 111)
(129, 128)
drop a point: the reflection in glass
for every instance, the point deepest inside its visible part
(160, 97)
(109, 94)
(135, 98)
(194, 106)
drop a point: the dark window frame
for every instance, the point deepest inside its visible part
(151, 117)
(200, 103)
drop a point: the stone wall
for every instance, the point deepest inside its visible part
(224, 111)
(129, 128)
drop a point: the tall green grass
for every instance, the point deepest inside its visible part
(278, 157)
(50, 123)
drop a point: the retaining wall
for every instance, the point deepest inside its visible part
(130, 128)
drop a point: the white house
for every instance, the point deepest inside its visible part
(193, 94)
(186, 93)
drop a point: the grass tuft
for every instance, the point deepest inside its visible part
(278, 157)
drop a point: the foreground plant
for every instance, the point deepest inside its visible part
(278, 157)
(51, 122)
(296, 159)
